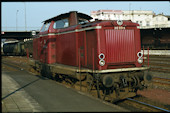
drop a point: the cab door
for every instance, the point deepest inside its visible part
(91, 48)
(81, 48)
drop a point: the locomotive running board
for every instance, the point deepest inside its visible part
(113, 70)
(72, 70)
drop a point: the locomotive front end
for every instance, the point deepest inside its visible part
(120, 60)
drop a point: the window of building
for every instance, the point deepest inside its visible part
(162, 19)
(156, 18)
(147, 23)
(102, 14)
(140, 23)
(61, 24)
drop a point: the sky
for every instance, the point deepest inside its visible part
(13, 13)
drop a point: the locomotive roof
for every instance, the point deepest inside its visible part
(65, 15)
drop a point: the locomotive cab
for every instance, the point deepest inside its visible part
(49, 42)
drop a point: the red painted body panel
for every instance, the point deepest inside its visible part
(51, 50)
(91, 43)
(66, 49)
(43, 49)
(120, 47)
(137, 45)
(81, 44)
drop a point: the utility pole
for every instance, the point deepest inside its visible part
(16, 20)
(25, 17)
(129, 10)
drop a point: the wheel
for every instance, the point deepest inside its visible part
(58, 78)
(43, 73)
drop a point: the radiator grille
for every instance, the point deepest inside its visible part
(120, 46)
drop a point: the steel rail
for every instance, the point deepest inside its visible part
(162, 78)
(148, 105)
(12, 65)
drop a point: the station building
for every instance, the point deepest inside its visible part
(155, 29)
(145, 19)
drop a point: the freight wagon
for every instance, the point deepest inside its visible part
(14, 48)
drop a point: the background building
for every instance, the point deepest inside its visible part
(145, 19)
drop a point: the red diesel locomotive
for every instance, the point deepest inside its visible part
(103, 55)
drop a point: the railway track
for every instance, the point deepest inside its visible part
(161, 81)
(142, 104)
(84, 89)
(134, 105)
(137, 103)
(158, 63)
(147, 107)
(156, 80)
(160, 70)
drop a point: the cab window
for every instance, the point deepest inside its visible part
(61, 24)
(82, 21)
(45, 27)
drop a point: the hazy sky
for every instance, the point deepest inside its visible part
(36, 12)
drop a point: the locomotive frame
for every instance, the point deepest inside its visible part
(90, 56)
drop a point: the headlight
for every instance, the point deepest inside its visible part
(140, 54)
(102, 62)
(101, 56)
(140, 60)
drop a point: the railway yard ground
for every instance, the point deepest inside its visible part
(25, 91)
